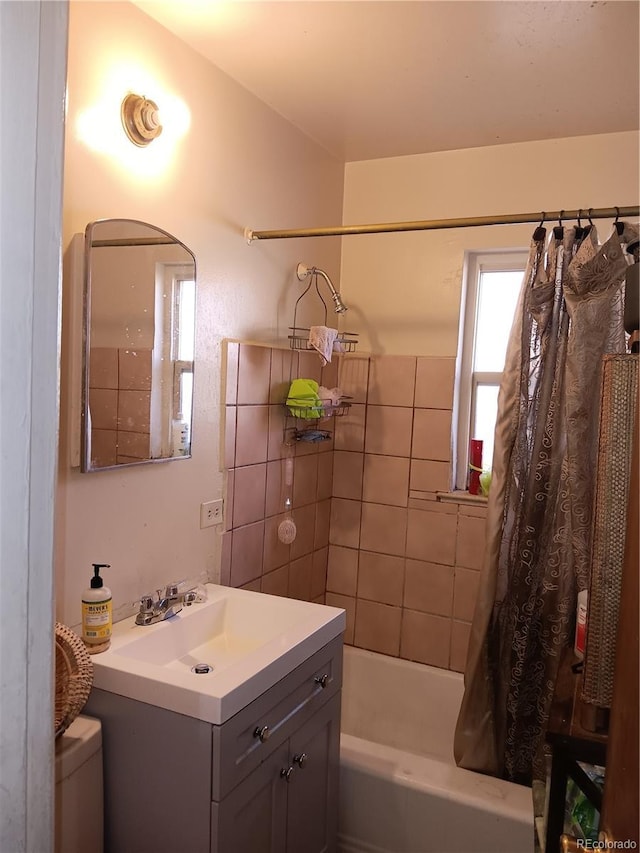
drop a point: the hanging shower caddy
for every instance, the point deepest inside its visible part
(299, 338)
(303, 418)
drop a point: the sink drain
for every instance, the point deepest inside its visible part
(202, 668)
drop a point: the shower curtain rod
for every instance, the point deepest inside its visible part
(438, 224)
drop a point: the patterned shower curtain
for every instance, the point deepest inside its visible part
(570, 312)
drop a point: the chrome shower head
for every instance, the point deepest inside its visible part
(302, 271)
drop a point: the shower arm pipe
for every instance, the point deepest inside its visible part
(440, 224)
(302, 271)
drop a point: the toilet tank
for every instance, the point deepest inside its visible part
(79, 790)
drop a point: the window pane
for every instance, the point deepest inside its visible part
(186, 320)
(486, 411)
(497, 297)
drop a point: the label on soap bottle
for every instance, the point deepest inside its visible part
(96, 620)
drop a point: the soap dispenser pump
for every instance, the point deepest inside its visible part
(96, 613)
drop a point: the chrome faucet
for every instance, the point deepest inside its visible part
(168, 602)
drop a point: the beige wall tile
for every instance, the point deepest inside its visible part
(230, 482)
(249, 494)
(342, 570)
(431, 536)
(103, 405)
(383, 529)
(254, 374)
(460, 632)
(470, 542)
(232, 350)
(104, 447)
(435, 379)
(275, 552)
(350, 428)
(386, 479)
(323, 523)
(251, 435)
(476, 510)
(388, 430)
(300, 571)
(347, 604)
(246, 553)
(347, 474)
(330, 374)
(276, 582)
(380, 577)
(392, 380)
(325, 475)
(305, 521)
(275, 443)
(425, 638)
(345, 522)
(134, 411)
(225, 561)
(378, 627)
(103, 367)
(310, 366)
(353, 377)
(431, 434)
(319, 573)
(466, 593)
(428, 587)
(275, 491)
(284, 368)
(135, 445)
(305, 480)
(134, 369)
(229, 437)
(429, 476)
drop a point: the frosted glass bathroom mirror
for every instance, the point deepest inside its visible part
(138, 354)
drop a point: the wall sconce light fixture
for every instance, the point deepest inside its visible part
(140, 119)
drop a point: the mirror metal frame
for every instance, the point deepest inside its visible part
(85, 446)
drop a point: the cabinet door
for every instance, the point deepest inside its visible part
(252, 818)
(314, 753)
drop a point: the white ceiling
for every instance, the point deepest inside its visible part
(385, 78)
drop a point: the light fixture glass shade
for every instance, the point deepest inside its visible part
(140, 119)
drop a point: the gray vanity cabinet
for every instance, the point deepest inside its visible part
(266, 781)
(290, 802)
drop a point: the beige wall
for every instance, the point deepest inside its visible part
(239, 164)
(404, 289)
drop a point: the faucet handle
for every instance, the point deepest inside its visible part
(146, 603)
(171, 589)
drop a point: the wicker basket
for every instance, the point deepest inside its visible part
(74, 677)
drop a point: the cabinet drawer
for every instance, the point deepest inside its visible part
(238, 747)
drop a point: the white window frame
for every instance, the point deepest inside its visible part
(476, 262)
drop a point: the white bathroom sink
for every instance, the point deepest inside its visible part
(250, 641)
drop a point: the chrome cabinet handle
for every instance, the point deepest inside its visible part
(286, 773)
(300, 760)
(322, 680)
(263, 733)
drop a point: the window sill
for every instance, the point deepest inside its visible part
(461, 497)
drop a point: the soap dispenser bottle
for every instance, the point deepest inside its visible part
(96, 613)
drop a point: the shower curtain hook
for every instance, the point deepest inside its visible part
(580, 218)
(619, 226)
(560, 218)
(589, 217)
(542, 219)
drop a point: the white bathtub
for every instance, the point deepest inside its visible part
(400, 791)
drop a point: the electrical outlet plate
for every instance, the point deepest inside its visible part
(211, 513)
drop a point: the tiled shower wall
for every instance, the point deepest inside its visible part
(372, 535)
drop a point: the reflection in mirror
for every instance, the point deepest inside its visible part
(140, 297)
